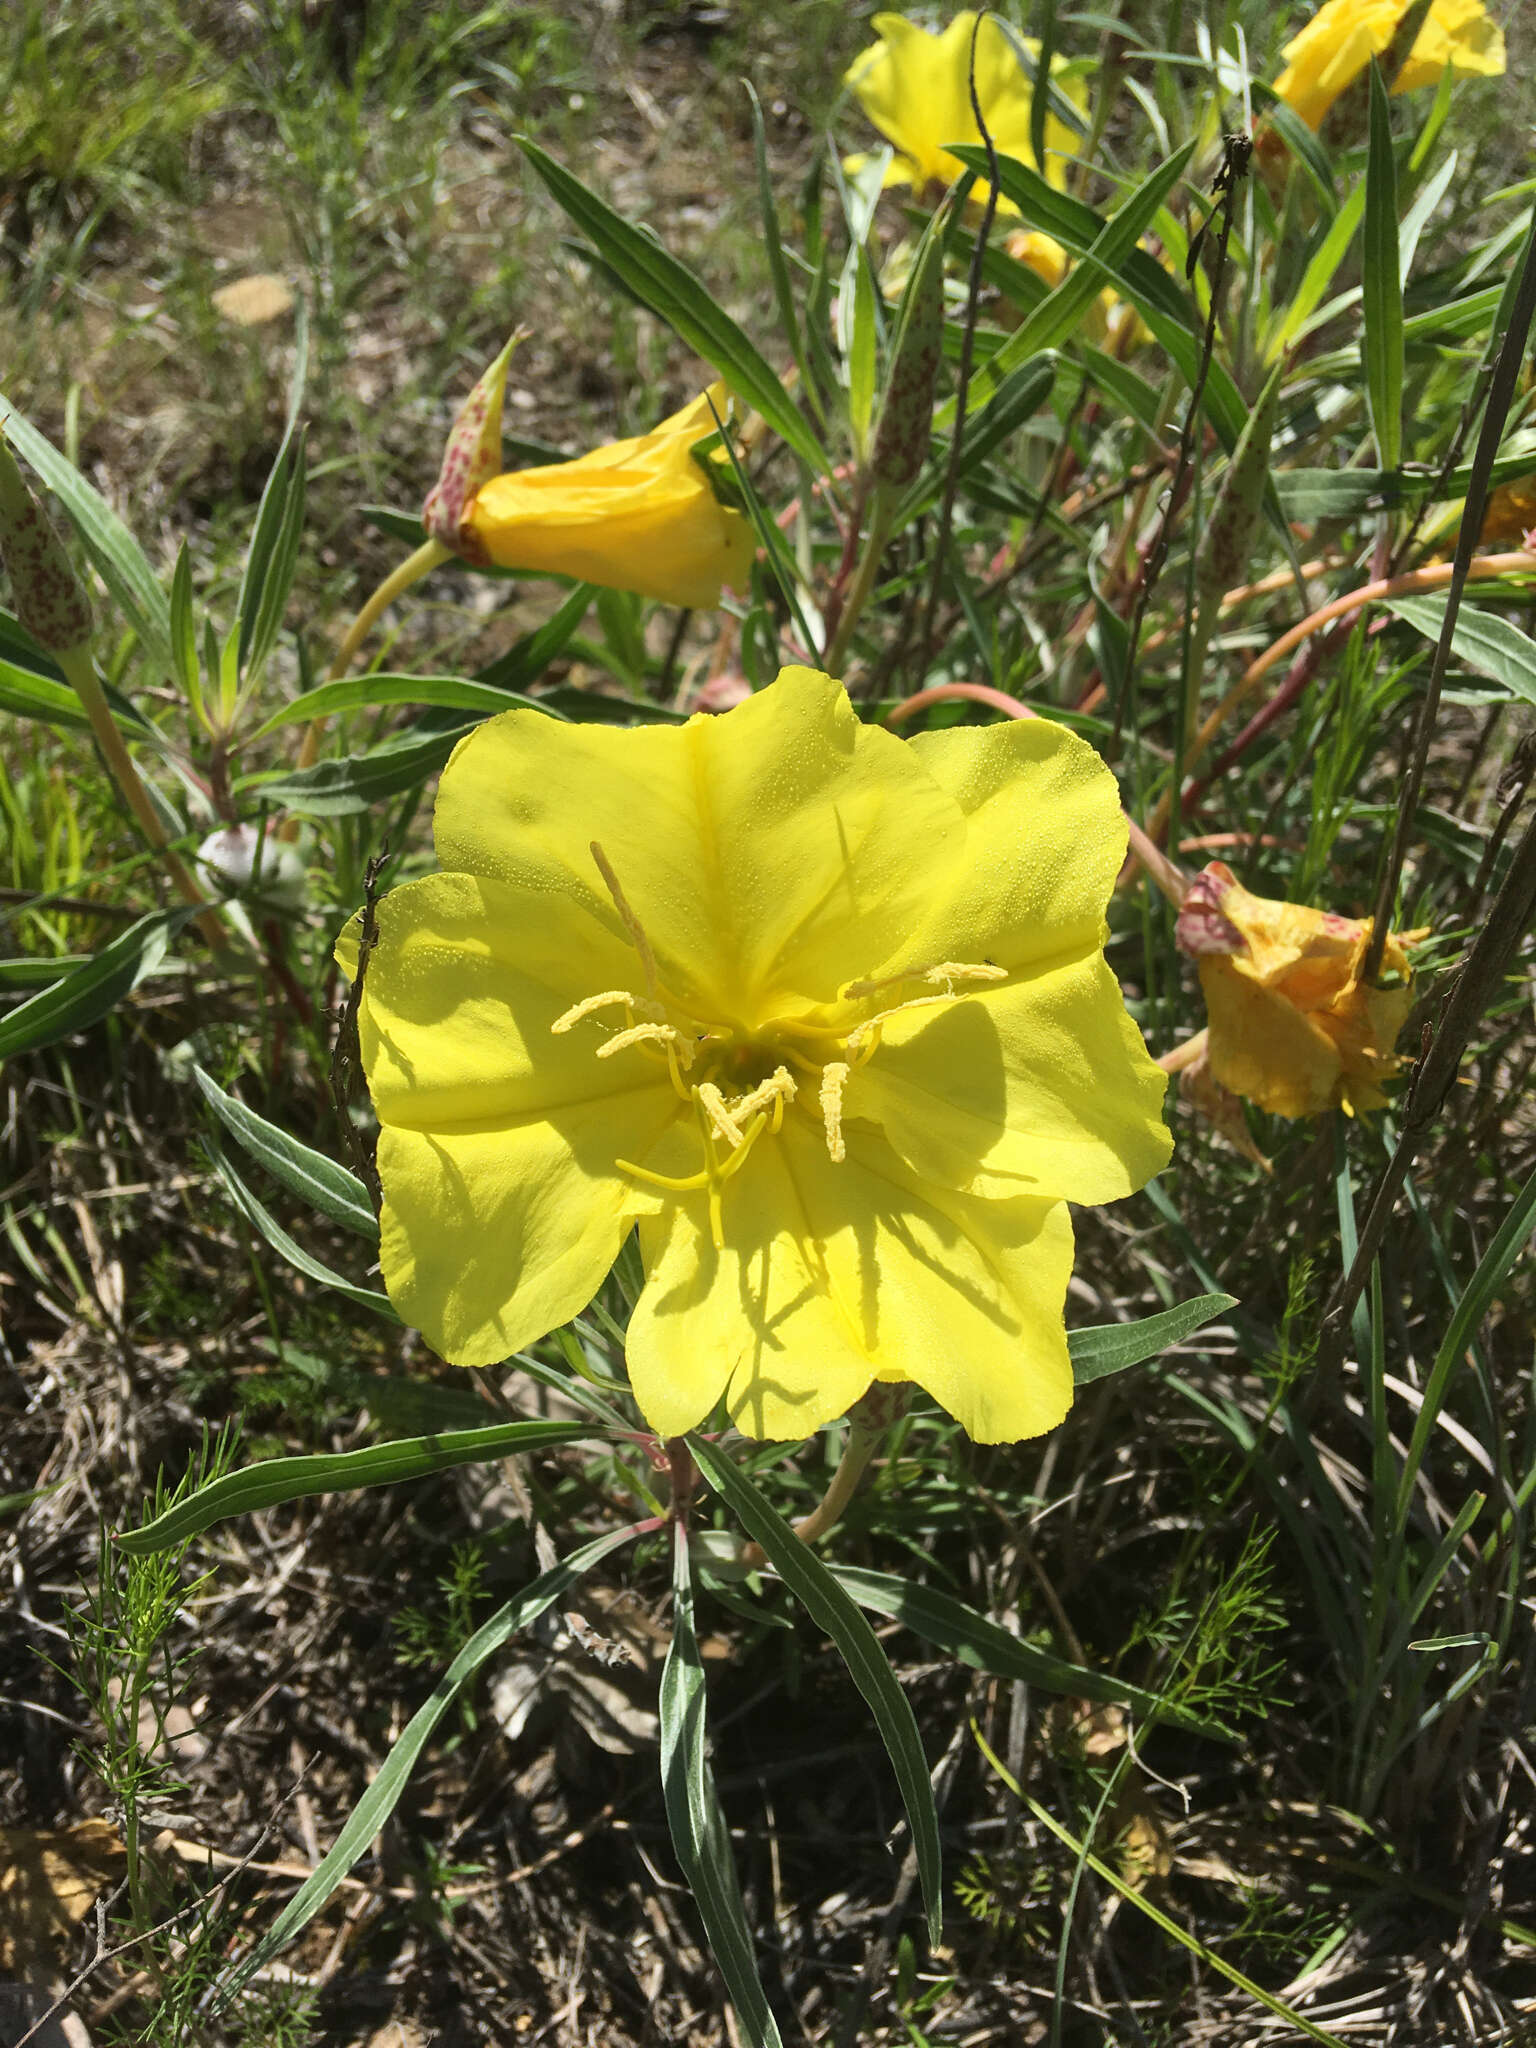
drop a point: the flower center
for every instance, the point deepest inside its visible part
(737, 1085)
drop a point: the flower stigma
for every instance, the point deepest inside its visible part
(737, 1083)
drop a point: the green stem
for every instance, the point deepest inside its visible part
(411, 570)
(81, 672)
(863, 583)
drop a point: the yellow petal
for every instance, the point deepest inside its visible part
(1044, 841)
(1458, 34)
(1263, 1047)
(503, 1205)
(1332, 50)
(1043, 1087)
(636, 515)
(834, 1275)
(771, 854)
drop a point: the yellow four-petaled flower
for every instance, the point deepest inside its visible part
(824, 1011)
(1342, 38)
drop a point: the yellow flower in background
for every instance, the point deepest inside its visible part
(1292, 1026)
(825, 1012)
(636, 515)
(1342, 38)
(915, 88)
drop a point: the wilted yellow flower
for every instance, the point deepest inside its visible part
(1342, 38)
(1292, 1026)
(915, 88)
(824, 1011)
(1510, 512)
(636, 515)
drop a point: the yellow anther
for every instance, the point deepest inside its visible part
(645, 1034)
(634, 1006)
(632, 924)
(771, 1094)
(942, 974)
(834, 1079)
(724, 1124)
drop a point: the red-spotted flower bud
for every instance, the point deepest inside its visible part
(48, 597)
(471, 458)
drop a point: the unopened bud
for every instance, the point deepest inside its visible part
(906, 419)
(1201, 927)
(471, 458)
(49, 598)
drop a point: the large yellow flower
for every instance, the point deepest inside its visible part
(636, 515)
(825, 1011)
(1342, 38)
(915, 88)
(1292, 1026)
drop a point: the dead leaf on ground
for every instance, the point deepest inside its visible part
(253, 301)
(49, 1880)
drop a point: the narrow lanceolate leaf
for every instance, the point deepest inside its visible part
(1485, 642)
(277, 1480)
(1110, 1347)
(90, 992)
(695, 1817)
(272, 558)
(1233, 520)
(27, 692)
(1382, 282)
(322, 1182)
(383, 1795)
(987, 1646)
(1138, 279)
(373, 693)
(1319, 274)
(339, 789)
(818, 1591)
(267, 1226)
(116, 555)
(1062, 313)
(676, 296)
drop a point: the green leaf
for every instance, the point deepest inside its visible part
(986, 1646)
(1381, 279)
(272, 558)
(1486, 643)
(676, 296)
(29, 693)
(1059, 315)
(87, 994)
(323, 1183)
(276, 1480)
(861, 359)
(773, 246)
(383, 1795)
(819, 1593)
(184, 636)
(1110, 1347)
(1319, 273)
(1141, 281)
(116, 555)
(336, 789)
(1305, 147)
(266, 1224)
(694, 1814)
(370, 693)
(526, 660)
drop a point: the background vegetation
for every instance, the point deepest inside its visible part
(1322, 1559)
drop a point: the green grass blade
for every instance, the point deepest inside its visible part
(986, 1646)
(272, 557)
(117, 557)
(1492, 1269)
(1319, 274)
(675, 295)
(819, 1593)
(278, 1480)
(1382, 282)
(82, 998)
(694, 1814)
(322, 1182)
(383, 1795)
(773, 244)
(1111, 1347)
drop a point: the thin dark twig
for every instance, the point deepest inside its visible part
(1500, 396)
(1234, 169)
(967, 350)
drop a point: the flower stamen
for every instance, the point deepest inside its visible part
(632, 924)
(834, 1079)
(634, 1007)
(649, 1033)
